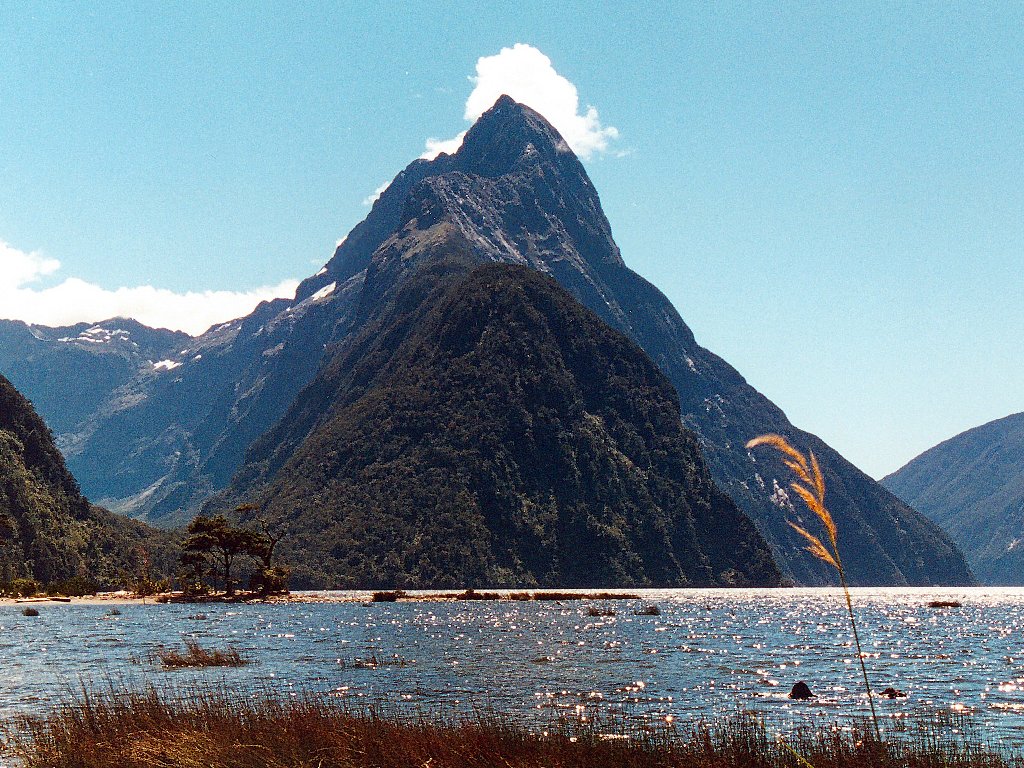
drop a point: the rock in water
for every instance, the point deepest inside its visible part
(893, 693)
(801, 692)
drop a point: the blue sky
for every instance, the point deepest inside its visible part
(832, 199)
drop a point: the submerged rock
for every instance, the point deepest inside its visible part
(945, 604)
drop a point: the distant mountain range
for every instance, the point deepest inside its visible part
(973, 486)
(73, 373)
(173, 424)
(49, 531)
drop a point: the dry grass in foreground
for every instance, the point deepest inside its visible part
(195, 655)
(148, 729)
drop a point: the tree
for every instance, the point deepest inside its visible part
(194, 565)
(216, 537)
(143, 582)
(267, 578)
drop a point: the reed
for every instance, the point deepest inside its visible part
(810, 487)
(195, 655)
(149, 728)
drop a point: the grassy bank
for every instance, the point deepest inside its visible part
(149, 729)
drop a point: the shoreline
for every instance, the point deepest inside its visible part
(148, 727)
(322, 597)
(644, 595)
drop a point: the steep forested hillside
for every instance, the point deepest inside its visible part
(973, 486)
(48, 530)
(517, 194)
(488, 430)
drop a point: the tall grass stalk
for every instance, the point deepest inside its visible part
(810, 487)
(208, 729)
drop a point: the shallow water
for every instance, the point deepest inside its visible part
(709, 652)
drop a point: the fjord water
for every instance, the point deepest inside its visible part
(709, 653)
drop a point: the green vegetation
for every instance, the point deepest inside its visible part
(973, 486)
(150, 730)
(216, 538)
(51, 538)
(213, 545)
(23, 587)
(487, 429)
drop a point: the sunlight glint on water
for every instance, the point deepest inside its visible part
(709, 652)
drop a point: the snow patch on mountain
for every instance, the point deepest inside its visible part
(97, 334)
(324, 292)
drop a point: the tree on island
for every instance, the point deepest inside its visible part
(215, 536)
(216, 539)
(267, 578)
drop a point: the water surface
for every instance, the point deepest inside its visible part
(709, 653)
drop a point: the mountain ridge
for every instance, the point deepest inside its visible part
(501, 435)
(516, 195)
(973, 485)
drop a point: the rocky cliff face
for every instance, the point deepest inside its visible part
(973, 486)
(72, 371)
(515, 194)
(161, 428)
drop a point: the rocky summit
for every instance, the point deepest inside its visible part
(514, 193)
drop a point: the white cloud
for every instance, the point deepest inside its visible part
(526, 74)
(18, 267)
(436, 146)
(75, 300)
(371, 198)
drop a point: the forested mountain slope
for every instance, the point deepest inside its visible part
(973, 486)
(488, 430)
(48, 530)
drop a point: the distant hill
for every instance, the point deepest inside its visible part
(48, 530)
(973, 486)
(487, 430)
(168, 437)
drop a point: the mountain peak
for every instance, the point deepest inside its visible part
(507, 134)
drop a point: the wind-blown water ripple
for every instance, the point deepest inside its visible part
(709, 653)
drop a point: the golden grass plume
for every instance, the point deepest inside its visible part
(810, 486)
